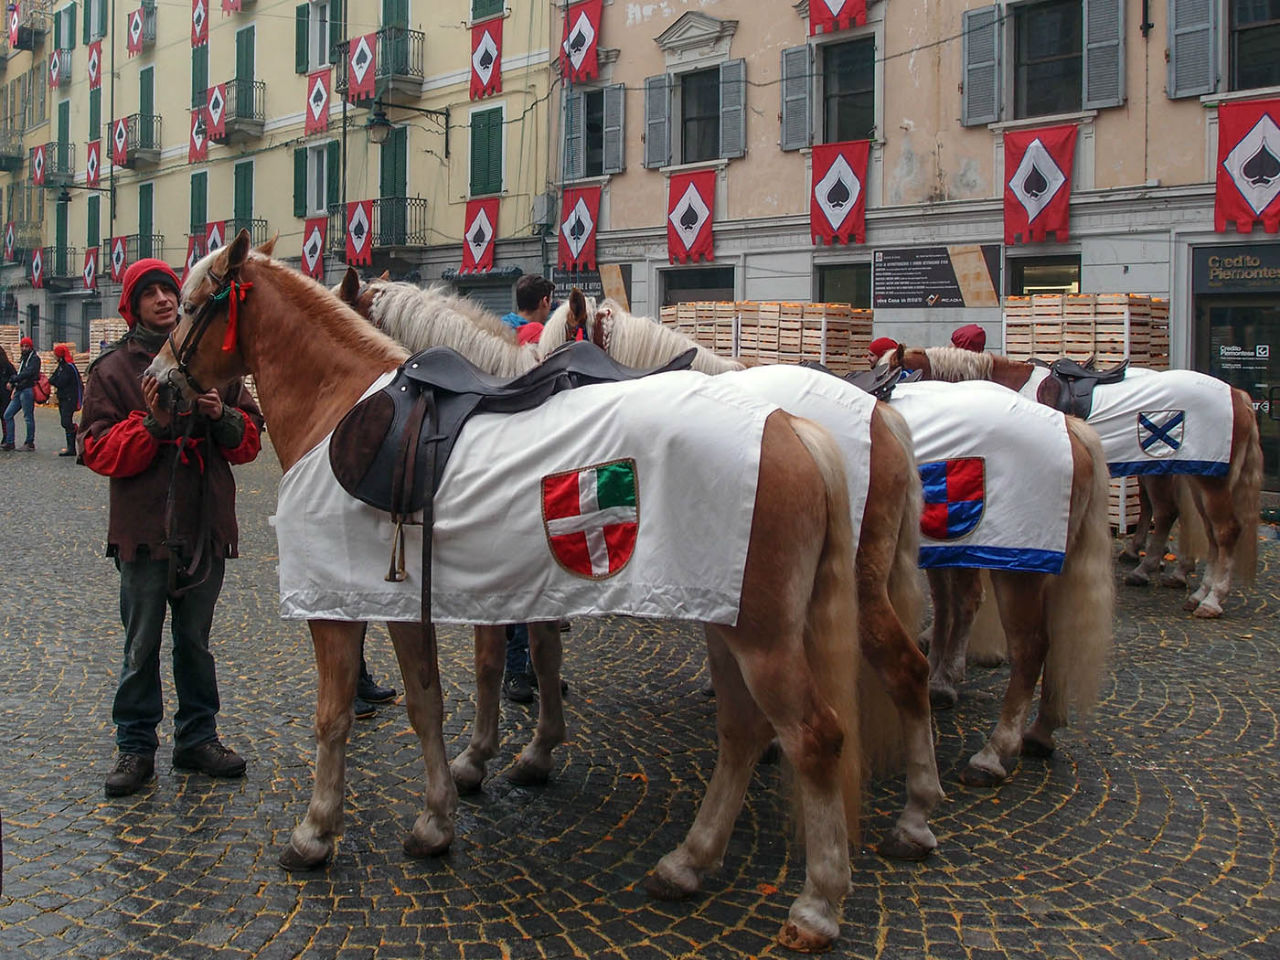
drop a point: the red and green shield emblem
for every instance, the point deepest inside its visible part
(591, 517)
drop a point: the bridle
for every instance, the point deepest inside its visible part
(227, 288)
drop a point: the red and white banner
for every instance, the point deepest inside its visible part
(1248, 166)
(216, 113)
(10, 240)
(690, 206)
(360, 232)
(215, 235)
(37, 165)
(1037, 187)
(119, 258)
(580, 215)
(90, 271)
(15, 18)
(195, 252)
(120, 142)
(231, 6)
(133, 36)
(838, 204)
(313, 234)
(362, 68)
(199, 23)
(481, 227)
(55, 68)
(198, 143)
(93, 164)
(316, 115)
(37, 268)
(95, 65)
(580, 45)
(486, 58)
(828, 16)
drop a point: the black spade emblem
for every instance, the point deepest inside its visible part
(689, 219)
(478, 236)
(486, 60)
(311, 247)
(1034, 184)
(362, 57)
(838, 195)
(577, 41)
(317, 96)
(357, 231)
(1261, 168)
(577, 228)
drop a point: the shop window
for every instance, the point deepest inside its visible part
(1031, 275)
(703, 283)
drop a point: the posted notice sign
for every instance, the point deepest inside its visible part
(964, 275)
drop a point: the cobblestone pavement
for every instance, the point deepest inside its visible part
(1151, 834)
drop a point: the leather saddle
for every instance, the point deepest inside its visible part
(879, 381)
(1072, 392)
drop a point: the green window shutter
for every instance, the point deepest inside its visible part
(301, 37)
(244, 56)
(95, 114)
(199, 75)
(64, 132)
(486, 152)
(333, 167)
(69, 35)
(300, 182)
(93, 232)
(394, 179)
(145, 227)
(336, 29)
(88, 22)
(57, 30)
(244, 191)
(199, 201)
(485, 8)
(102, 18)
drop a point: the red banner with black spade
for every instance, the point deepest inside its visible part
(362, 69)
(37, 165)
(580, 46)
(690, 205)
(838, 205)
(195, 251)
(199, 23)
(119, 142)
(486, 58)
(1037, 188)
(55, 68)
(316, 115)
(133, 36)
(15, 18)
(1248, 166)
(198, 143)
(215, 235)
(828, 16)
(37, 268)
(359, 232)
(119, 258)
(11, 241)
(90, 271)
(478, 235)
(216, 111)
(95, 65)
(93, 164)
(313, 234)
(581, 208)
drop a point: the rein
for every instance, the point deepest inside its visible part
(228, 290)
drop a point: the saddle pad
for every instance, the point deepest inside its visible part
(997, 474)
(632, 498)
(840, 407)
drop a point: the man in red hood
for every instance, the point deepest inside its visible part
(172, 525)
(969, 337)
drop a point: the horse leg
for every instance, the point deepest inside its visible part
(1132, 553)
(468, 767)
(1164, 509)
(1223, 529)
(415, 645)
(1022, 610)
(533, 766)
(337, 650)
(947, 664)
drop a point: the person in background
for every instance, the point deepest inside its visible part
(879, 347)
(533, 306)
(7, 370)
(66, 380)
(970, 337)
(22, 384)
(171, 526)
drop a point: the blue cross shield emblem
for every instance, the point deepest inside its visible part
(1160, 432)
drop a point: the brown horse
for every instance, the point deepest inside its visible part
(1227, 505)
(887, 581)
(784, 668)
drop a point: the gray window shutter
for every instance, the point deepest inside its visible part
(1103, 53)
(1193, 41)
(796, 84)
(614, 125)
(981, 100)
(657, 121)
(575, 156)
(733, 108)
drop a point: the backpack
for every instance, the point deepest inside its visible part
(41, 389)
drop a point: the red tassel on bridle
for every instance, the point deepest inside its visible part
(236, 292)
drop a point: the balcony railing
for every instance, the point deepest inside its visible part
(12, 153)
(257, 229)
(26, 236)
(148, 25)
(136, 247)
(59, 162)
(397, 222)
(398, 64)
(33, 25)
(245, 112)
(142, 139)
(64, 68)
(62, 266)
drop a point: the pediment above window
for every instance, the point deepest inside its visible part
(697, 36)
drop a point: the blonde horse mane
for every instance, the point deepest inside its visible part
(435, 317)
(953, 364)
(642, 342)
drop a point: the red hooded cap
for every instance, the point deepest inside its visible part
(137, 278)
(26, 343)
(882, 345)
(970, 337)
(63, 351)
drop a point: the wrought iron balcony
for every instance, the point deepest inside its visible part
(27, 235)
(397, 65)
(245, 112)
(136, 247)
(142, 140)
(33, 24)
(148, 38)
(12, 153)
(398, 222)
(62, 266)
(59, 163)
(64, 68)
(257, 229)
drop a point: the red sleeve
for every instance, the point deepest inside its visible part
(250, 444)
(123, 451)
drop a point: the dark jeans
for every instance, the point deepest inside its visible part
(139, 704)
(67, 411)
(24, 400)
(518, 649)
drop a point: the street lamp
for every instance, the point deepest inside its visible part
(380, 127)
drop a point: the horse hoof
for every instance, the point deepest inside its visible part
(972, 776)
(1205, 612)
(468, 780)
(901, 848)
(1191, 605)
(660, 888)
(802, 941)
(1037, 749)
(1127, 557)
(291, 859)
(419, 849)
(525, 775)
(1136, 578)
(942, 698)
(1174, 583)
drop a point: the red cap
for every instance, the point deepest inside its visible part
(136, 279)
(970, 337)
(26, 343)
(882, 345)
(61, 350)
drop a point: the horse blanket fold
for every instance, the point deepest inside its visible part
(632, 498)
(836, 404)
(996, 470)
(1161, 421)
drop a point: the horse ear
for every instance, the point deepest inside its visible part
(386, 275)
(269, 247)
(577, 306)
(349, 289)
(238, 250)
(900, 356)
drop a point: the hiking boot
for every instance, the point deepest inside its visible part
(6, 446)
(367, 689)
(518, 687)
(363, 708)
(131, 771)
(211, 758)
(564, 684)
(66, 453)
(28, 446)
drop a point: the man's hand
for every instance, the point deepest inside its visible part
(210, 404)
(151, 395)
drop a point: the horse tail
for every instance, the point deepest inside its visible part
(905, 592)
(1193, 544)
(1246, 487)
(1081, 600)
(831, 629)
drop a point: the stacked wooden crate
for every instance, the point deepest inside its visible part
(1158, 348)
(10, 338)
(105, 330)
(777, 332)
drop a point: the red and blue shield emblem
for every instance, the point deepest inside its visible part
(954, 497)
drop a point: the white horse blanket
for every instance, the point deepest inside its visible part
(1170, 421)
(632, 498)
(996, 470)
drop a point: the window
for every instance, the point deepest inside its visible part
(64, 28)
(316, 179)
(243, 199)
(849, 91)
(1255, 43)
(95, 20)
(1031, 275)
(146, 223)
(199, 202)
(317, 31)
(845, 283)
(35, 96)
(1039, 59)
(485, 8)
(89, 310)
(93, 223)
(703, 283)
(199, 76)
(1197, 47)
(593, 132)
(486, 151)
(696, 116)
